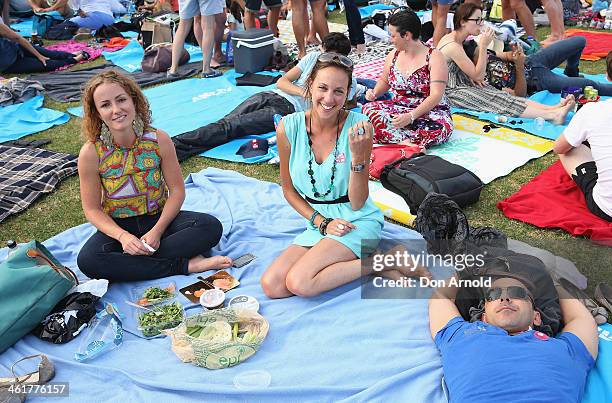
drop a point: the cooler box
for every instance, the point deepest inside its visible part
(252, 50)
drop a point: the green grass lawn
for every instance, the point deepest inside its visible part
(61, 210)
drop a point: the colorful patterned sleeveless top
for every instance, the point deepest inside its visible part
(131, 178)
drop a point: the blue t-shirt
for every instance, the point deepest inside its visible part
(482, 363)
(306, 65)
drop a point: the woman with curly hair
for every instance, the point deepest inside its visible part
(132, 191)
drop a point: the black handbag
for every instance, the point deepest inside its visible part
(413, 178)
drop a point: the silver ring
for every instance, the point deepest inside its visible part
(361, 131)
(341, 227)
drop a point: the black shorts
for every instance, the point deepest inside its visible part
(255, 5)
(586, 179)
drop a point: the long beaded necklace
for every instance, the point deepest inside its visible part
(310, 170)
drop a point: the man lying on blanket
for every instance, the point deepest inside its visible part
(255, 114)
(501, 358)
(585, 150)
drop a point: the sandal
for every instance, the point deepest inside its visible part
(43, 374)
(603, 295)
(211, 74)
(85, 54)
(599, 312)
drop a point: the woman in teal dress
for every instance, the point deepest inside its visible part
(324, 164)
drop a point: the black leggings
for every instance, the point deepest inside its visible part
(27, 63)
(190, 234)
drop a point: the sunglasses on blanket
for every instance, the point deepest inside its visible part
(331, 57)
(511, 292)
(400, 9)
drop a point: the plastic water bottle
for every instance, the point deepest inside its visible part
(12, 245)
(131, 7)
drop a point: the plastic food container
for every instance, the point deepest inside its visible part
(212, 299)
(244, 302)
(151, 324)
(138, 293)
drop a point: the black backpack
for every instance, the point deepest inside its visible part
(64, 30)
(413, 178)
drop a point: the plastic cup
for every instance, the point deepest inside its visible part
(539, 123)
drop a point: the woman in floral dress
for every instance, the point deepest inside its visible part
(419, 113)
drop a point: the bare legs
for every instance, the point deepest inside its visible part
(555, 114)
(208, 39)
(439, 15)
(179, 42)
(554, 10)
(200, 263)
(298, 13)
(308, 272)
(512, 8)
(575, 157)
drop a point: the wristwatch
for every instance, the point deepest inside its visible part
(357, 167)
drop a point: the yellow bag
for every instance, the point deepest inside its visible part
(496, 10)
(247, 330)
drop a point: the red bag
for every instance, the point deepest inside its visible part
(384, 155)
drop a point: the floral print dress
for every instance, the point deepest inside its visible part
(409, 92)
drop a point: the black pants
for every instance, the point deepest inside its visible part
(189, 235)
(353, 20)
(27, 63)
(253, 116)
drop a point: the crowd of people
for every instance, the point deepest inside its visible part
(324, 150)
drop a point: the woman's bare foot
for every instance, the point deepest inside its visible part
(200, 263)
(565, 100)
(562, 112)
(312, 40)
(551, 39)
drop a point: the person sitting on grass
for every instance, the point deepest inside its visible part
(255, 114)
(18, 55)
(585, 150)
(324, 161)
(466, 86)
(132, 192)
(501, 358)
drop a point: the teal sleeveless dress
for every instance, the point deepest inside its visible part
(368, 220)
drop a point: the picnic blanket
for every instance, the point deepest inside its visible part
(598, 43)
(227, 151)
(548, 131)
(490, 155)
(65, 86)
(28, 117)
(599, 385)
(334, 347)
(74, 47)
(201, 101)
(130, 57)
(553, 200)
(28, 173)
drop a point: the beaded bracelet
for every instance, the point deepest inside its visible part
(312, 218)
(323, 225)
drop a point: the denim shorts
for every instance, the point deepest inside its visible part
(255, 5)
(192, 8)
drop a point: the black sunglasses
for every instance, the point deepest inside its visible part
(331, 57)
(478, 20)
(512, 292)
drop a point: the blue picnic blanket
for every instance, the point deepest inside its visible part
(130, 57)
(185, 105)
(227, 151)
(334, 347)
(599, 385)
(549, 131)
(28, 117)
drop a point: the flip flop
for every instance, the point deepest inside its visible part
(43, 373)
(211, 74)
(85, 54)
(603, 295)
